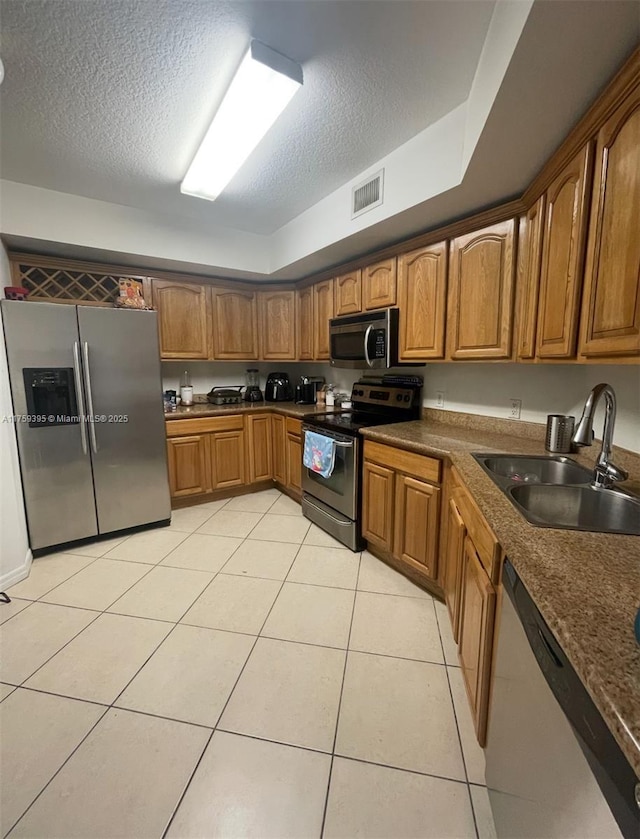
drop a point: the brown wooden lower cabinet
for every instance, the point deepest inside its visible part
(188, 459)
(287, 453)
(377, 505)
(226, 452)
(475, 643)
(452, 558)
(401, 505)
(206, 454)
(294, 463)
(471, 559)
(259, 448)
(416, 523)
(279, 437)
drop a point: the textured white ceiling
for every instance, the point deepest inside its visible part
(109, 98)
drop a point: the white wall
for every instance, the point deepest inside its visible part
(544, 389)
(470, 388)
(208, 374)
(15, 556)
(51, 216)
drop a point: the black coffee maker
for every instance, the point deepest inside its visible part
(278, 388)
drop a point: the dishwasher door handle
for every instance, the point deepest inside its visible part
(549, 649)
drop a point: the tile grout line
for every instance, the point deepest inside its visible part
(344, 673)
(58, 770)
(111, 705)
(215, 728)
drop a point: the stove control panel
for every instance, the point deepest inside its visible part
(385, 395)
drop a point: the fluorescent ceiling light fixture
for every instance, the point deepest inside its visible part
(260, 90)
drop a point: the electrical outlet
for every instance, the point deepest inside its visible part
(439, 398)
(516, 405)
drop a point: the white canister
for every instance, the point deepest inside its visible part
(186, 395)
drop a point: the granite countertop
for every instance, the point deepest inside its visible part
(205, 409)
(586, 585)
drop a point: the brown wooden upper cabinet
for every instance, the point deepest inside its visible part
(422, 297)
(481, 284)
(322, 314)
(305, 323)
(563, 246)
(183, 319)
(235, 324)
(379, 284)
(611, 306)
(530, 258)
(349, 293)
(277, 325)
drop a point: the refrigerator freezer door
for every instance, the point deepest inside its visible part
(123, 385)
(54, 457)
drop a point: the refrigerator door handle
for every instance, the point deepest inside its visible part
(87, 379)
(81, 409)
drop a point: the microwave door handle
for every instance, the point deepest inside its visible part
(367, 335)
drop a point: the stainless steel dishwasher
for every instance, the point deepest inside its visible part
(554, 770)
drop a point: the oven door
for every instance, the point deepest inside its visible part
(340, 490)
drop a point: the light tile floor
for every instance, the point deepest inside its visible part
(238, 674)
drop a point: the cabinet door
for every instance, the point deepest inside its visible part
(235, 324)
(377, 505)
(278, 325)
(183, 319)
(477, 613)
(379, 284)
(260, 447)
(530, 256)
(565, 228)
(416, 523)
(422, 280)
(294, 463)
(453, 557)
(481, 281)
(279, 449)
(611, 308)
(305, 323)
(227, 459)
(349, 293)
(188, 465)
(323, 312)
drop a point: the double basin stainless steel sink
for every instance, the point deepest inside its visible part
(556, 491)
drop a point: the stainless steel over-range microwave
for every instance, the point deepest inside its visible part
(367, 340)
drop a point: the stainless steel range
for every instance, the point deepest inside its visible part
(334, 503)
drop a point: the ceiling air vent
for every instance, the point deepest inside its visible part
(367, 195)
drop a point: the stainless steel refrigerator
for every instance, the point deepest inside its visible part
(87, 394)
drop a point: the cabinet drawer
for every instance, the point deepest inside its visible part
(294, 427)
(409, 463)
(201, 425)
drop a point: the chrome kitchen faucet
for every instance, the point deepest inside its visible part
(606, 473)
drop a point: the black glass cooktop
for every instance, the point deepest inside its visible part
(349, 422)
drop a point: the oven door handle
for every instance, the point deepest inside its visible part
(337, 443)
(367, 335)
